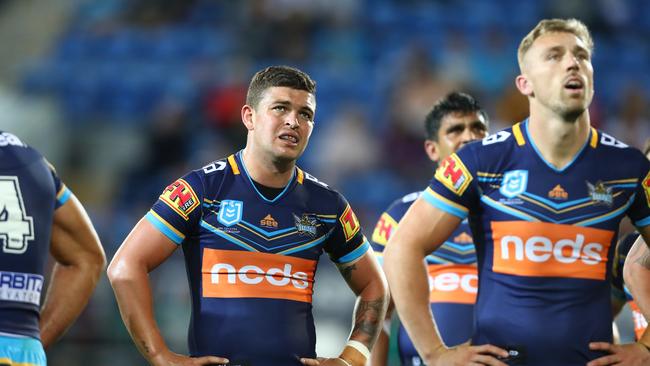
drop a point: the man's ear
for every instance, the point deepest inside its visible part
(432, 150)
(248, 116)
(524, 85)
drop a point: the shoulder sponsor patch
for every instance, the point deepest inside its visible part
(646, 187)
(453, 174)
(180, 197)
(350, 223)
(384, 229)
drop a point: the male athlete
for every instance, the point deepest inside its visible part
(544, 200)
(453, 121)
(39, 215)
(252, 227)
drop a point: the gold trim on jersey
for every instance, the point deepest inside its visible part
(300, 176)
(594, 138)
(549, 208)
(233, 164)
(519, 136)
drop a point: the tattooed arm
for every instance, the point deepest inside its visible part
(636, 273)
(366, 279)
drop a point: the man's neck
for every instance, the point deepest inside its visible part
(557, 140)
(265, 171)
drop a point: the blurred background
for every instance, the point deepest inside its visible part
(124, 96)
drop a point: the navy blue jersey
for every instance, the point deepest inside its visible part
(251, 261)
(544, 238)
(618, 283)
(453, 280)
(30, 191)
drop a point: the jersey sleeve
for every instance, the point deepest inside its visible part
(346, 242)
(62, 191)
(387, 223)
(177, 211)
(454, 188)
(639, 211)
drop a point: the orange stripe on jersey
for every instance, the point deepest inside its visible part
(240, 274)
(233, 164)
(453, 283)
(540, 249)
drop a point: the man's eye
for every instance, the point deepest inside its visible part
(280, 108)
(306, 116)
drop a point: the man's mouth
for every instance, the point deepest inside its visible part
(574, 84)
(289, 138)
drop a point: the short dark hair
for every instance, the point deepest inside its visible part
(454, 102)
(277, 76)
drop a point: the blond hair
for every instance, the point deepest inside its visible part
(573, 26)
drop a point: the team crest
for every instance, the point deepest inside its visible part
(453, 174)
(230, 212)
(350, 223)
(514, 183)
(600, 193)
(180, 197)
(306, 224)
(646, 187)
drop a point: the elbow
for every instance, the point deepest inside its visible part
(116, 272)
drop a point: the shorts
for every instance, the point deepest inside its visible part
(16, 351)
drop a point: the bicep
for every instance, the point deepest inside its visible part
(423, 228)
(73, 236)
(145, 247)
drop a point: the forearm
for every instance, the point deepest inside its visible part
(637, 278)
(407, 279)
(67, 295)
(133, 294)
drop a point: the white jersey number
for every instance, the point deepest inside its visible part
(16, 228)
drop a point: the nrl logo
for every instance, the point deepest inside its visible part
(307, 224)
(600, 193)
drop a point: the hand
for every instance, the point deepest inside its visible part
(630, 354)
(174, 359)
(466, 355)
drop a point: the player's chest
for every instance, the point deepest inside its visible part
(591, 196)
(244, 222)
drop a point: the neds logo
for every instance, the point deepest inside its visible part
(453, 283)
(541, 249)
(237, 274)
(274, 276)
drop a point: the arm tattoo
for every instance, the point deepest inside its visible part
(367, 321)
(347, 272)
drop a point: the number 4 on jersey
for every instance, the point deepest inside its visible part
(16, 228)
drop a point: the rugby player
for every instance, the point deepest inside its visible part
(252, 227)
(544, 199)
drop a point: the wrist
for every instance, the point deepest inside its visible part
(644, 346)
(355, 353)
